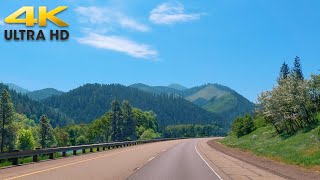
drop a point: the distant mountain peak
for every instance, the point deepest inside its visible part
(44, 93)
(17, 88)
(177, 87)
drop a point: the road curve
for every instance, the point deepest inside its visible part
(187, 159)
(182, 161)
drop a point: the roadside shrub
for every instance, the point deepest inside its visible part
(259, 121)
(149, 134)
(243, 125)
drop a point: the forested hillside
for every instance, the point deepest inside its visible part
(17, 88)
(90, 101)
(43, 93)
(215, 98)
(156, 89)
(34, 109)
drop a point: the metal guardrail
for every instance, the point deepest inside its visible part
(14, 156)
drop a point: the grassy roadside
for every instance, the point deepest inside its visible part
(301, 149)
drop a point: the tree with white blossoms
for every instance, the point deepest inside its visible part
(314, 85)
(288, 107)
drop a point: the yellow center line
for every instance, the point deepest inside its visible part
(78, 162)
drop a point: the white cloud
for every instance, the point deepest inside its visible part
(171, 13)
(132, 24)
(119, 44)
(109, 17)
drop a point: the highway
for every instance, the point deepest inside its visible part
(180, 159)
(180, 162)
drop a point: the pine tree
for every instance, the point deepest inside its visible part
(297, 69)
(117, 123)
(6, 115)
(128, 121)
(284, 72)
(46, 132)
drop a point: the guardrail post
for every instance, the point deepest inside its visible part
(51, 156)
(74, 152)
(15, 161)
(91, 149)
(35, 157)
(64, 154)
(83, 151)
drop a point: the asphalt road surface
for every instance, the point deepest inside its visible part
(183, 161)
(186, 159)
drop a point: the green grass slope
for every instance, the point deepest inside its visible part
(301, 149)
(222, 104)
(207, 93)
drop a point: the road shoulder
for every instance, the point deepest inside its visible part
(231, 168)
(280, 169)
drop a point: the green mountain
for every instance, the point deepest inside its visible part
(222, 100)
(17, 88)
(156, 89)
(215, 98)
(44, 93)
(178, 87)
(35, 109)
(91, 101)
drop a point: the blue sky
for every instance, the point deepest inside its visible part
(240, 44)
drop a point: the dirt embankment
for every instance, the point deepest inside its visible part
(280, 169)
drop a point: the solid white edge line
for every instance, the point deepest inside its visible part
(151, 159)
(195, 147)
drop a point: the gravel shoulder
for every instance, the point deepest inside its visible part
(284, 170)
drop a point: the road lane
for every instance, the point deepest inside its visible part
(113, 164)
(182, 161)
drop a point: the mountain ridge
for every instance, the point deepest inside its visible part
(44, 93)
(215, 98)
(90, 101)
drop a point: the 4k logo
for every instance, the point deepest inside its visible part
(30, 20)
(42, 18)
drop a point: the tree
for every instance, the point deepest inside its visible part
(26, 140)
(46, 132)
(297, 69)
(288, 106)
(61, 136)
(284, 72)
(128, 121)
(117, 123)
(76, 134)
(243, 125)
(7, 123)
(100, 129)
(314, 85)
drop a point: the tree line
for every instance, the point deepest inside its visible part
(121, 122)
(192, 130)
(35, 109)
